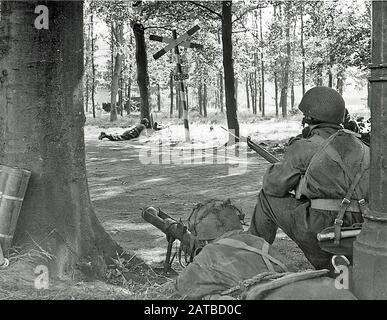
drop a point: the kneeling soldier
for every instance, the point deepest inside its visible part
(327, 167)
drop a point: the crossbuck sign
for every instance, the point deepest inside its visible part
(174, 43)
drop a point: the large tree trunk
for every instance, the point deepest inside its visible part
(228, 66)
(142, 68)
(41, 128)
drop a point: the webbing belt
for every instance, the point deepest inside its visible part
(264, 253)
(333, 205)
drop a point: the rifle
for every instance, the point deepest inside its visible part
(174, 230)
(258, 149)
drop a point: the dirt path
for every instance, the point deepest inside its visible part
(120, 185)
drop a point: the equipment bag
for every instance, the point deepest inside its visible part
(223, 264)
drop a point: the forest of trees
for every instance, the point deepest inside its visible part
(276, 44)
(43, 74)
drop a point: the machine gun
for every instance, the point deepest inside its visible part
(174, 230)
(258, 149)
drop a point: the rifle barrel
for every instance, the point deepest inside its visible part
(258, 149)
(261, 151)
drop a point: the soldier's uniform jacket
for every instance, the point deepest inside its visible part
(330, 180)
(133, 132)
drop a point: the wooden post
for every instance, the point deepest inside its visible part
(370, 248)
(181, 92)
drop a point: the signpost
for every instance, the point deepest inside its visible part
(174, 43)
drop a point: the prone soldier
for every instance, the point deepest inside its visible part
(132, 133)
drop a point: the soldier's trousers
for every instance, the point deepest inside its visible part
(299, 222)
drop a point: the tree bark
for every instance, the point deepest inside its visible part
(302, 51)
(236, 93)
(253, 93)
(119, 35)
(276, 93)
(285, 79)
(120, 92)
(221, 83)
(262, 65)
(41, 128)
(200, 98)
(340, 82)
(158, 98)
(87, 68)
(221, 101)
(129, 92)
(205, 96)
(171, 95)
(247, 93)
(319, 79)
(142, 68)
(87, 93)
(228, 66)
(93, 71)
(292, 96)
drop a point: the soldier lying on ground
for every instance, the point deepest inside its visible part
(233, 263)
(132, 133)
(323, 172)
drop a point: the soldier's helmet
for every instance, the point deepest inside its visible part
(213, 218)
(323, 104)
(144, 121)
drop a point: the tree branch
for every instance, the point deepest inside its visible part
(248, 10)
(206, 8)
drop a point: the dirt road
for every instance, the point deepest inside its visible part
(120, 185)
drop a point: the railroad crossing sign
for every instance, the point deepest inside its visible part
(174, 43)
(186, 44)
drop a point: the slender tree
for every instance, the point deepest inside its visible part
(142, 68)
(228, 66)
